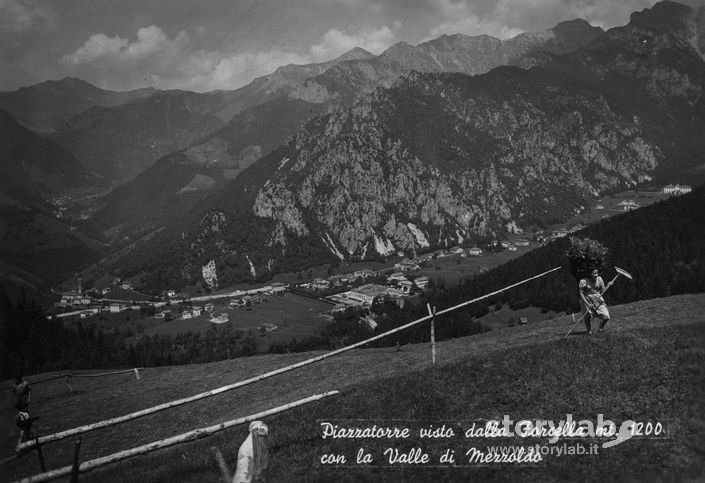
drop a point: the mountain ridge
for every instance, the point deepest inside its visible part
(46, 106)
(34, 165)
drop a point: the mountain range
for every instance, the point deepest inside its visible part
(426, 146)
(272, 108)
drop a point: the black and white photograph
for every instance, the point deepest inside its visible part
(249, 241)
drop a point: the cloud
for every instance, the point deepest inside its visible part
(169, 63)
(507, 18)
(336, 42)
(17, 16)
(473, 25)
(96, 47)
(153, 58)
(209, 71)
(151, 42)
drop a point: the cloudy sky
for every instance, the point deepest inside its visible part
(223, 44)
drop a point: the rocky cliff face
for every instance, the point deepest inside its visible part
(439, 159)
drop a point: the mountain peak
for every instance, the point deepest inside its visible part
(676, 19)
(358, 53)
(399, 47)
(70, 84)
(662, 15)
(575, 26)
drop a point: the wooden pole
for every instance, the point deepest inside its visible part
(224, 470)
(164, 443)
(52, 378)
(433, 332)
(76, 464)
(260, 453)
(128, 417)
(108, 373)
(40, 454)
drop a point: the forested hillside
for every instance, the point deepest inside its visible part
(662, 246)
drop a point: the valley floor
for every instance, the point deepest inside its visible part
(650, 364)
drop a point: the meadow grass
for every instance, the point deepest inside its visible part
(650, 366)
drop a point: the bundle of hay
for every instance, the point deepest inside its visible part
(585, 255)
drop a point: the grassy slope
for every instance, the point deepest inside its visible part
(650, 365)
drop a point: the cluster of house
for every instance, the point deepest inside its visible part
(240, 299)
(189, 313)
(85, 305)
(338, 280)
(398, 286)
(74, 300)
(246, 301)
(544, 238)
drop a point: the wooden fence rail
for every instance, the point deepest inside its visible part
(78, 374)
(164, 443)
(127, 417)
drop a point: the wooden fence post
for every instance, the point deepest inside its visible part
(433, 332)
(224, 469)
(76, 463)
(260, 451)
(253, 455)
(40, 454)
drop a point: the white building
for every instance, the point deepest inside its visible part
(320, 283)
(115, 308)
(676, 189)
(396, 277)
(421, 282)
(407, 265)
(630, 205)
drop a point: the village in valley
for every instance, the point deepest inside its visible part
(290, 307)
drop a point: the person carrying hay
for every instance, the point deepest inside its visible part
(591, 289)
(586, 258)
(23, 394)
